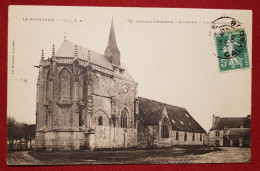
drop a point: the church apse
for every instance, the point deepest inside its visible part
(85, 99)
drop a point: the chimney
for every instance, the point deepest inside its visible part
(213, 119)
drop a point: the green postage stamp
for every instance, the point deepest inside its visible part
(232, 50)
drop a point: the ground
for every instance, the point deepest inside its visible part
(132, 156)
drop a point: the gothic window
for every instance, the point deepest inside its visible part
(81, 87)
(177, 135)
(65, 84)
(193, 136)
(80, 117)
(185, 136)
(124, 118)
(100, 121)
(48, 85)
(165, 130)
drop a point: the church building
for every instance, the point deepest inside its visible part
(164, 125)
(88, 100)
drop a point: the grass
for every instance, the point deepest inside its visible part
(125, 156)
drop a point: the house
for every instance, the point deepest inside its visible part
(231, 131)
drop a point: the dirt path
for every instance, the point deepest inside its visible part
(21, 158)
(226, 155)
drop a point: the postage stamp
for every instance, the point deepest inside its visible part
(232, 50)
(231, 44)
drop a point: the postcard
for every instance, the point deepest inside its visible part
(110, 85)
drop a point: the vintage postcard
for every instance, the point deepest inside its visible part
(104, 85)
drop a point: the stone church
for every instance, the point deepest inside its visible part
(89, 100)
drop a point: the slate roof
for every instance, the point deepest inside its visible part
(67, 49)
(151, 112)
(237, 132)
(231, 122)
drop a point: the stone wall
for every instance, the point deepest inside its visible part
(181, 141)
(214, 138)
(40, 139)
(67, 140)
(147, 136)
(109, 137)
(150, 136)
(104, 90)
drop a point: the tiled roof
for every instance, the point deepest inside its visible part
(234, 122)
(67, 49)
(151, 112)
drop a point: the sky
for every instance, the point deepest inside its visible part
(172, 62)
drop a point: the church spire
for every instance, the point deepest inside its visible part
(112, 51)
(112, 38)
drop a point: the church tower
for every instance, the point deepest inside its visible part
(112, 51)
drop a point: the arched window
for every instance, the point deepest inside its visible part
(124, 118)
(82, 88)
(48, 95)
(185, 136)
(100, 120)
(48, 86)
(177, 135)
(65, 87)
(80, 117)
(165, 130)
(193, 136)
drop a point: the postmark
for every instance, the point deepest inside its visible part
(231, 44)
